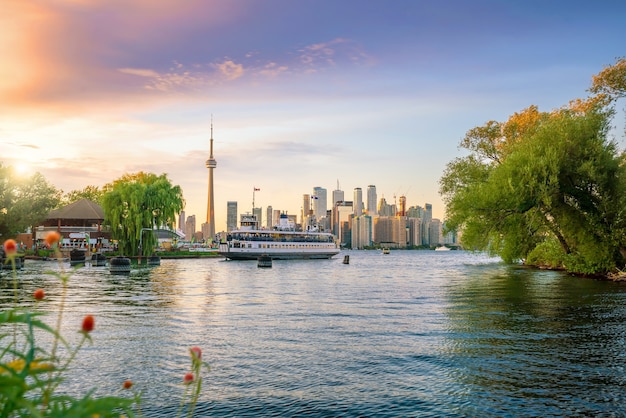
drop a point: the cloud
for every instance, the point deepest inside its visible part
(230, 70)
(139, 72)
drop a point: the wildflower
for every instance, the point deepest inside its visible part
(18, 365)
(88, 323)
(10, 247)
(196, 352)
(52, 238)
(127, 384)
(188, 378)
(39, 294)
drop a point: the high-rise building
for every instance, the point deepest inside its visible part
(371, 208)
(434, 232)
(307, 209)
(190, 228)
(268, 217)
(337, 195)
(428, 216)
(204, 233)
(181, 220)
(361, 232)
(320, 202)
(258, 212)
(358, 201)
(415, 231)
(210, 210)
(341, 229)
(385, 209)
(402, 210)
(231, 216)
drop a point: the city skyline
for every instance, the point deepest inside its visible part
(303, 94)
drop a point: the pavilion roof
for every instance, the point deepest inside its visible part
(81, 209)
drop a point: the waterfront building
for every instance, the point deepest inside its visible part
(361, 232)
(210, 210)
(414, 225)
(390, 231)
(344, 213)
(231, 216)
(372, 198)
(434, 232)
(428, 216)
(358, 201)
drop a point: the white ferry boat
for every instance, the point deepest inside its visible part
(283, 242)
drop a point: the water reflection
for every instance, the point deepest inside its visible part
(545, 341)
(411, 333)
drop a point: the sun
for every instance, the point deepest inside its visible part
(22, 168)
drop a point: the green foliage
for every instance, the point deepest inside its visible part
(548, 254)
(24, 201)
(137, 203)
(93, 193)
(539, 179)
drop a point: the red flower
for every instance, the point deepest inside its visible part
(188, 378)
(196, 352)
(52, 238)
(10, 247)
(127, 384)
(88, 323)
(39, 294)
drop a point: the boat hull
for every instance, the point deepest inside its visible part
(283, 255)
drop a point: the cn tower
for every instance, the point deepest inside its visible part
(210, 207)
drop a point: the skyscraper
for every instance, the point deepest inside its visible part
(358, 201)
(320, 204)
(268, 212)
(337, 195)
(231, 216)
(371, 200)
(210, 209)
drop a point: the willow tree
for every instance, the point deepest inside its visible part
(137, 203)
(546, 187)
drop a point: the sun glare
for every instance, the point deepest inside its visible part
(21, 169)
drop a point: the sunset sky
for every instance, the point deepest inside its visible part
(303, 93)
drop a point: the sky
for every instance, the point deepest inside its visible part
(300, 94)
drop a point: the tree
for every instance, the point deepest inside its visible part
(543, 180)
(135, 204)
(24, 201)
(93, 193)
(611, 81)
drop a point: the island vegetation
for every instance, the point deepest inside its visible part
(546, 188)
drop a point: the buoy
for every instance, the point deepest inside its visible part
(119, 265)
(346, 259)
(98, 260)
(77, 257)
(264, 261)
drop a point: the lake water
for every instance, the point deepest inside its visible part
(411, 333)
